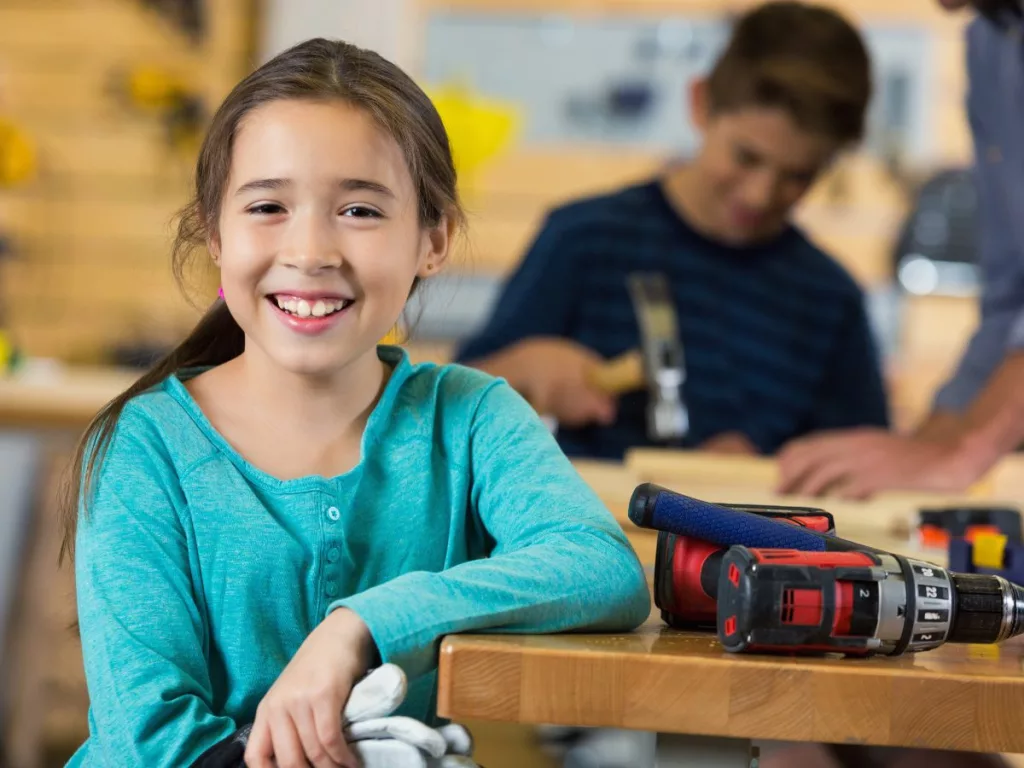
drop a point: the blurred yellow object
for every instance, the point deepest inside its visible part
(17, 154)
(155, 88)
(478, 128)
(394, 338)
(8, 353)
(988, 550)
(174, 100)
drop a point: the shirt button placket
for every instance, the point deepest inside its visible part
(333, 556)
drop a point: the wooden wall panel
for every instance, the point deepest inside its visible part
(92, 232)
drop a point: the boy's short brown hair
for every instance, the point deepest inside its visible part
(806, 59)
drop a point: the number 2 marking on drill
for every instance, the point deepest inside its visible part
(865, 593)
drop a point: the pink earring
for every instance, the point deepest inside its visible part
(220, 293)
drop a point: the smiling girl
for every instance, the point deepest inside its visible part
(281, 504)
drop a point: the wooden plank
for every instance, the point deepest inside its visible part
(130, 147)
(87, 84)
(710, 469)
(752, 480)
(88, 219)
(104, 24)
(63, 29)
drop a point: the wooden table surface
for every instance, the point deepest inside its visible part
(659, 679)
(63, 397)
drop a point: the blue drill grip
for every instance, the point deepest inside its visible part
(661, 509)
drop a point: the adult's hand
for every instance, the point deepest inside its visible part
(858, 463)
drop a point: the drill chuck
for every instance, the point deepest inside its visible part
(989, 609)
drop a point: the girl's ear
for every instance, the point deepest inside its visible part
(436, 243)
(213, 246)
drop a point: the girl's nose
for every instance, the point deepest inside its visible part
(311, 246)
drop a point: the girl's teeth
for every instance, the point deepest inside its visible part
(319, 308)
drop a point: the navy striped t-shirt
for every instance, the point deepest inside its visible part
(775, 336)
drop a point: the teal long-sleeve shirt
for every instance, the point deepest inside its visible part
(199, 575)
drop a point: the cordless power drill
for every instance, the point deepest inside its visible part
(857, 603)
(792, 589)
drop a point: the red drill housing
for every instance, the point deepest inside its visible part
(686, 569)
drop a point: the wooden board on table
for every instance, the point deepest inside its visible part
(743, 471)
(957, 697)
(752, 480)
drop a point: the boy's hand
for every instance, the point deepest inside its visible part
(553, 374)
(735, 443)
(299, 721)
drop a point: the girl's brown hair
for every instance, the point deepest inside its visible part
(317, 69)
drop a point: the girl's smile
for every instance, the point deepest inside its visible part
(310, 313)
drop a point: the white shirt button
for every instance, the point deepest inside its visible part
(333, 514)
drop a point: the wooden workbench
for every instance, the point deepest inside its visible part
(59, 397)
(659, 679)
(670, 682)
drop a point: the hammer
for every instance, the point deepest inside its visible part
(658, 363)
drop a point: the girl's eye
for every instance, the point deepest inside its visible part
(361, 212)
(266, 209)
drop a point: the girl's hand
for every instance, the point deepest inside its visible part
(299, 721)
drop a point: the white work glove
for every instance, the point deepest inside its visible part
(381, 740)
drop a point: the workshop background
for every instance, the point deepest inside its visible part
(102, 103)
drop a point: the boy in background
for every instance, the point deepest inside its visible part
(774, 332)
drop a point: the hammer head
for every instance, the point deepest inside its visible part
(667, 417)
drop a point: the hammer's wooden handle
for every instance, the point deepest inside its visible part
(624, 373)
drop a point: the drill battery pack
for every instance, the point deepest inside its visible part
(937, 527)
(988, 554)
(686, 569)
